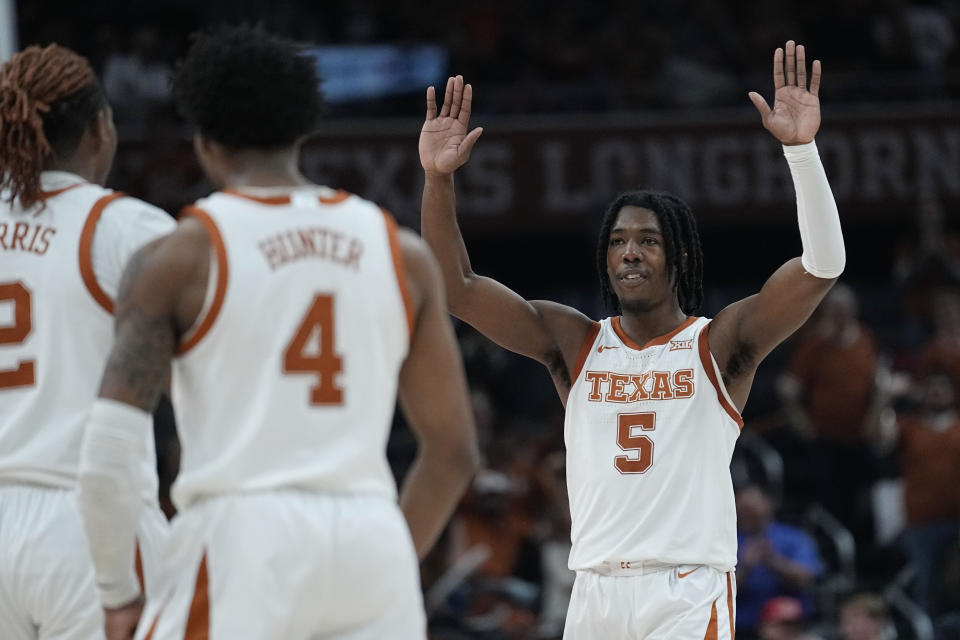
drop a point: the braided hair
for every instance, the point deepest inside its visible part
(48, 96)
(681, 241)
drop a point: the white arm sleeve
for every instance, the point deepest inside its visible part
(823, 252)
(110, 500)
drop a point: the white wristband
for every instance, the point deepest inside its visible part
(112, 451)
(820, 234)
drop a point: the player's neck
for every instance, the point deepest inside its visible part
(82, 168)
(643, 326)
(265, 169)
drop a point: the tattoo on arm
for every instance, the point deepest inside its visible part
(138, 367)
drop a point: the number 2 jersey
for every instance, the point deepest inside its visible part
(60, 266)
(650, 432)
(289, 377)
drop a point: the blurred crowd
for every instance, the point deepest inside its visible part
(848, 469)
(538, 56)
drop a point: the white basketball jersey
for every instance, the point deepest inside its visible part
(56, 327)
(290, 376)
(650, 433)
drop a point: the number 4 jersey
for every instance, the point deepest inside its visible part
(60, 266)
(650, 432)
(289, 377)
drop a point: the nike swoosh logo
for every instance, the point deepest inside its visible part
(684, 575)
(601, 348)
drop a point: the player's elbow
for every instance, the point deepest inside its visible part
(465, 457)
(461, 455)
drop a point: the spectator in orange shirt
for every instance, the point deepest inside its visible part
(830, 393)
(930, 463)
(942, 351)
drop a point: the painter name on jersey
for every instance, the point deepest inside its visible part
(312, 242)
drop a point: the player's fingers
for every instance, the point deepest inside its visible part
(791, 64)
(801, 67)
(447, 98)
(468, 141)
(778, 68)
(815, 78)
(759, 103)
(466, 106)
(457, 97)
(431, 103)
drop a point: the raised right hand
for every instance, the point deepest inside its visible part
(445, 144)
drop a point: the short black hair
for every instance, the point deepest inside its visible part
(248, 89)
(681, 241)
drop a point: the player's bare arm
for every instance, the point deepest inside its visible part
(746, 331)
(434, 398)
(159, 298)
(156, 300)
(548, 332)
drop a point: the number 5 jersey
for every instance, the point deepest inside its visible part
(650, 432)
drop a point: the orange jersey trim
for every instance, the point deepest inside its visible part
(706, 360)
(86, 251)
(712, 627)
(223, 273)
(272, 200)
(730, 605)
(50, 194)
(659, 340)
(198, 621)
(153, 627)
(138, 567)
(584, 351)
(336, 198)
(399, 268)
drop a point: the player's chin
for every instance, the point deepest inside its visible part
(631, 302)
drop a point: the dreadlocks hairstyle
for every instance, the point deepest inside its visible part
(681, 241)
(48, 96)
(247, 89)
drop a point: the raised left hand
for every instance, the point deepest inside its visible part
(795, 116)
(445, 139)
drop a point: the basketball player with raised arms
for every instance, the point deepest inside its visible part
(292, 315)
(653, 394)
(64, 241)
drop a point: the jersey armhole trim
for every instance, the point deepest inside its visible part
(399, 268)
(584, 353)
(706, 359)
(86, 251)
(216, 241)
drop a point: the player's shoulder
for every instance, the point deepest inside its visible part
(128, 215)
(178, 255)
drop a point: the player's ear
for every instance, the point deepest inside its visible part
(201, 144)
(101, 129)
